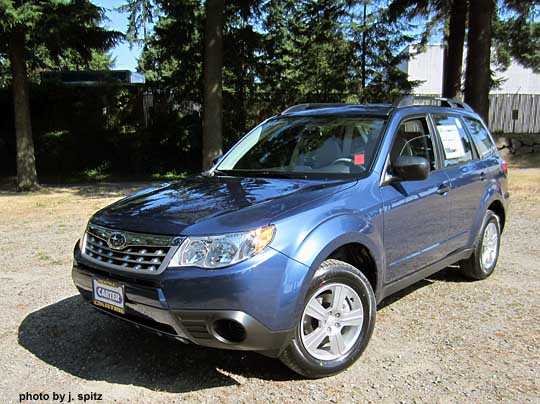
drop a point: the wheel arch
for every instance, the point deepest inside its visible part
(492, 200)
(342, 238)
(498, 208)
(360, 257)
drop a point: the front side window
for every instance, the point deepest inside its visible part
(480, 136)
(455, 141)
(306, 145)
(413, 139)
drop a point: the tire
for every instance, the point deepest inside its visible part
(480, 266)
(347, 329)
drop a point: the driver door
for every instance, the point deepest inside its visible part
(416, 213)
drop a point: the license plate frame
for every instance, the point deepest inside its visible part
(109, 295)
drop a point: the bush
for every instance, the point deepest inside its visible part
(96, 131)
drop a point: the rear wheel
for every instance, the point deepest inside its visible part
(336, 323)
(484, 258)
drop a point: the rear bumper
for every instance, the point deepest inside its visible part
(163, 304)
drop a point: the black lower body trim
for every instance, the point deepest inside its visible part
(225, 329)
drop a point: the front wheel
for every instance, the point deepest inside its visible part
(484, 258)
(336, 323)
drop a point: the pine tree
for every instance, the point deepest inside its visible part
(212, 141)
(478, 72)
(140, 16)
(56, 28)
(378, 44)
(242, 68)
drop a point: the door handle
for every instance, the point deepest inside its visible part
(443, 189)
(483, 176)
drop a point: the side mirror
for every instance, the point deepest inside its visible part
(409, 168)
(215, 160)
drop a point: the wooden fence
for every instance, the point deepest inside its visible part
(514, 113)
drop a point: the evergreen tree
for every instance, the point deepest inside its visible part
(518, 37)
(243, 45)
(54, 27)
(456, 23)
(275, 53)
(478, 71)
(212, 141)
(453, 14)
(140, 16)
(330, 51)
(488, 25)
(172, 57)
(378, 43)
(280, 78)
(324, 53)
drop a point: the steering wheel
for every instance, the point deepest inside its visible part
(350, 163)
(344, 160)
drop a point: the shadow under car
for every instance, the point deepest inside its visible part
(70, 335)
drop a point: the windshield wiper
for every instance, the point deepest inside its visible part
(272, 174)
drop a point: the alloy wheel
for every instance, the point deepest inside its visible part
(490, 245)
(332, 321)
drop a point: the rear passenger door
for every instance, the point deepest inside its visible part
(467, 174)
(416, 213)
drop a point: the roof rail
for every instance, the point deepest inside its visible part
(306, 106)
(410, 100)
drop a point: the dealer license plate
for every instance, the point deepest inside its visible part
(109, 295)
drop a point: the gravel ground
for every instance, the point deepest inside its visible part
(444, 340)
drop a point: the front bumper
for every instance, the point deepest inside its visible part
(250, 306)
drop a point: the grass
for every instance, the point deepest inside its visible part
(530, 160)
(524, 185)
(170, 175)
(43, 257)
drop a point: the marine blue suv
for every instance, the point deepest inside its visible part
(289, 242)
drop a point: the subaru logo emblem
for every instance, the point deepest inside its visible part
(117, 241)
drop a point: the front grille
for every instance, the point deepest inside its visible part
(135, 257)
(138, 252)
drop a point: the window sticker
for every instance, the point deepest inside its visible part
(451, 140)
(359, 159)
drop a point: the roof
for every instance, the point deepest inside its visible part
(417, 102)
(339, 110)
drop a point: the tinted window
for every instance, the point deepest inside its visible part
(312, 145)
(480, 136)
(413, 139)
(456, 143)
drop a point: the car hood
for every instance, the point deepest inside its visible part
(211, 205)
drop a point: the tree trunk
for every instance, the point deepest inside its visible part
(364, 48)
(26, 162)
(478, 73)
(453, 54)
(212, 144)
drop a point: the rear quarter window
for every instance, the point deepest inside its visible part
(480, 136)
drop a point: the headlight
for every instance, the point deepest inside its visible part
(223, 250)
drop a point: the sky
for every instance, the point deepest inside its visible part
(126, 58)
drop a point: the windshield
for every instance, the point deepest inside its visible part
(312, 146)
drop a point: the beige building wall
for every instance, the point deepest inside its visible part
(428, 68)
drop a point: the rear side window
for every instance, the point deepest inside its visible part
(455, 141)
(482, 140)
